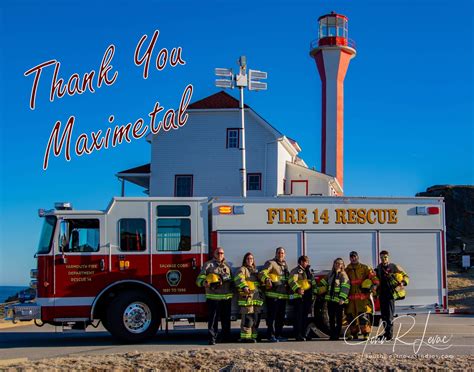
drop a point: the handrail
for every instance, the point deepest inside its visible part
(350, 43)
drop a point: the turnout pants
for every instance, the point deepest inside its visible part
(358, 322)
(249, 326)
(387, 309)
(219, 309)
(302, 306)
(275, 317)
(335, 319)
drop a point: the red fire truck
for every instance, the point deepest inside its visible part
(133, 266)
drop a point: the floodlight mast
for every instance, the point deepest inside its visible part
(242, 80)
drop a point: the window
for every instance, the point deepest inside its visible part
(173, 211)
(183, 185)
(233, 138)
(132, 234)
(46, 238)
(80, 235)
(254, 181)
(173, 234)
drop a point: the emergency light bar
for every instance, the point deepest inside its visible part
(424, 211)
(63, 206)
(229, 209)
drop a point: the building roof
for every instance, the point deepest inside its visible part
(145, 168)
(294, 143)
(219, 100)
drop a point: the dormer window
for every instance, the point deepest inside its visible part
(233, 138)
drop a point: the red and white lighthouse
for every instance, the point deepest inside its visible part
(332, 52)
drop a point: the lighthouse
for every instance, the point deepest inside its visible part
(332, 52)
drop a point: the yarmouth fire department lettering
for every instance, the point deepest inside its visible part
(81, 273)
(340, 216)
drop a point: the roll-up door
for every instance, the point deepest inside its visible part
(323, 248)
(419, 254)
(261, 244)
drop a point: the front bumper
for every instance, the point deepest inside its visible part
(23, 312)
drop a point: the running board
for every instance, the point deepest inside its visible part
(183, 321)
(73, 325)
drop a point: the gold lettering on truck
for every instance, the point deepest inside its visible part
(287, 216)
(343, 216)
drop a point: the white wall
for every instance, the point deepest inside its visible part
(283, 157)
(199, 148)
(317, 184)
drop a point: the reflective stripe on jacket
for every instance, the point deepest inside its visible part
(388, 274)
(297, 275)
(217, 291)
(359, 299)
(341, 287)
(244, 276)
(279, 288)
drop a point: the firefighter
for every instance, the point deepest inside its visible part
(393, 280)
(359, 308)
(250, 299)
(275, 278)
(304, 287)
(336, 288)
(216, 278)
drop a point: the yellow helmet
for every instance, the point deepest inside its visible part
(366, 284)
(398, 277)
(274, 278)
(212, 278)
(304, 284)
(251, 285)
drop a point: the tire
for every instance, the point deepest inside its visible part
(376, 320)
(321, 318)
(132, 318)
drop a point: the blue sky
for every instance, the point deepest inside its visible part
(408, 93)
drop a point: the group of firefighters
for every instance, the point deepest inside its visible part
(347, 290)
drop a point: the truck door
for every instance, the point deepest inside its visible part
(80, 265)
(178, 243)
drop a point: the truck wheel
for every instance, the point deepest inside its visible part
(376, 320)
(132, 317)
(321, 316)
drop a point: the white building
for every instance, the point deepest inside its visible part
(203, 157)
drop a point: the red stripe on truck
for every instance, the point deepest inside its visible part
(444, 269)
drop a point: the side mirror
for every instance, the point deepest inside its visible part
(64, 236)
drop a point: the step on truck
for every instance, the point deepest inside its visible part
(133, 266)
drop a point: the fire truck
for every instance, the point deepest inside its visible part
(133, 266)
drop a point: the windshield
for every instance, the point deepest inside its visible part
(46, 234)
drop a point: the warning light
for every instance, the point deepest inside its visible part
(427, 210)
(433, 210)
(225, 209)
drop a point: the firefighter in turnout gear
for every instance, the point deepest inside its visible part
(359, 308)
(336, 289)
(304, 287)
(250, 299)
(274, 277)
(216, 278)
(393, 280)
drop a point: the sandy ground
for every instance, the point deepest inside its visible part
(461, 290)
(245, 360)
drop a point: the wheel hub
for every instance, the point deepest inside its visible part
(137, 317)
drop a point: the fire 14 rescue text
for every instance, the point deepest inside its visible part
(341, 216)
